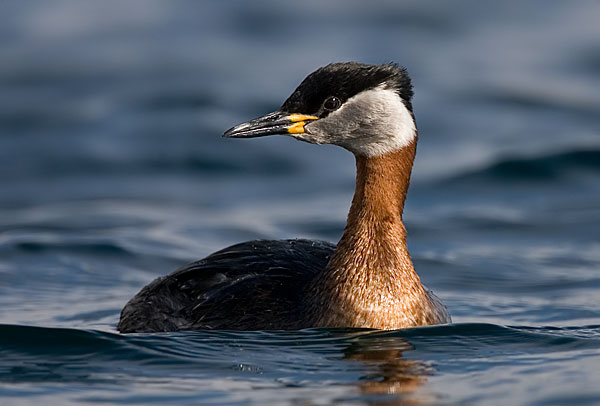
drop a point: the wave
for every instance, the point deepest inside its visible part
(227, 367)
(210, 350)
(96, 248)
(545, 168)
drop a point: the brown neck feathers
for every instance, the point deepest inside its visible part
(370, 280)
(381, 186)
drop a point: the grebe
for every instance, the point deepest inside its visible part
(368, 280)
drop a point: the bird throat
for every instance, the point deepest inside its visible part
(370, 280)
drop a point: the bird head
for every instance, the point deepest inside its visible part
(363, 108)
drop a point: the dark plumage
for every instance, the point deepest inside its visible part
(345, 80)
(252, 285)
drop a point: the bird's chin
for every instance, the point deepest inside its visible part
(307, 136)
(311, 134)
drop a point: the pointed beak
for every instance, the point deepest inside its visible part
(276, 123)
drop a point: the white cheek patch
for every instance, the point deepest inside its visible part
(373, 122)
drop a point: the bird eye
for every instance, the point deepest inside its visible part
(332, 103)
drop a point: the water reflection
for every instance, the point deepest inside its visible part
(388, 372)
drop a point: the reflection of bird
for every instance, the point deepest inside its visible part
(368, 280)
(387, 371)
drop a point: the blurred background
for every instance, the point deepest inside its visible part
(113, 172)
(113, 169)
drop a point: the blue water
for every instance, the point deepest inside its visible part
(113, 171)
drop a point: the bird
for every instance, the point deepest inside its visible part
(368, 279)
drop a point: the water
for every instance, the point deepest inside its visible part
(113, 172)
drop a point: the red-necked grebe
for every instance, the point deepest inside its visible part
(368, 280)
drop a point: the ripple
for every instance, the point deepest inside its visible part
(546, 168)
(262, 350)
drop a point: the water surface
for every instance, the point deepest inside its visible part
(113, 172)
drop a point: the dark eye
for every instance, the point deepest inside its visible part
(332, 103)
